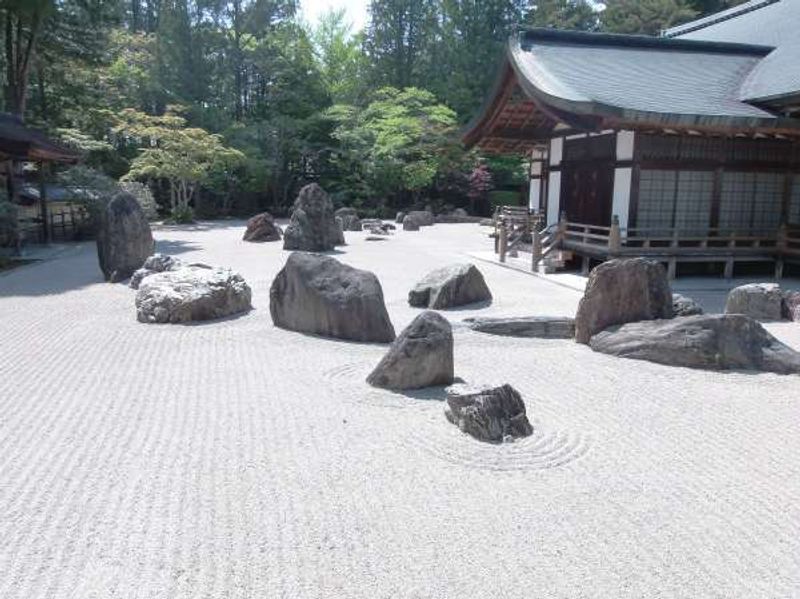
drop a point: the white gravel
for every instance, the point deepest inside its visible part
(236, 460)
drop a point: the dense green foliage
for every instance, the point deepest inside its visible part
(224, 106)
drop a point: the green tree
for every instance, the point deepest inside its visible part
(648, 17)
(186, 157)
(396, 146)
(342, 62)
(397, 38)
(577, 15)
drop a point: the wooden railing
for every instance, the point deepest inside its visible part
(670, 245)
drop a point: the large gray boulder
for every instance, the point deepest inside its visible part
(543, 327)
(762, 301)
(421, 356)
(620, 291)
(410, 223)
(320, 295)
(262, 228)
(124, 239)
(492, 414)
(313, 227)
(685, 306)
(451, 286)
(154, 264)
(425, 218)
(191, 293)
(709, 341)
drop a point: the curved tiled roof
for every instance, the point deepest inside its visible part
(772, 22)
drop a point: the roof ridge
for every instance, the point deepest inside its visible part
(715, 18)
(532, 35)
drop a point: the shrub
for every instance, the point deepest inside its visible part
(181, 215)
(144, 196)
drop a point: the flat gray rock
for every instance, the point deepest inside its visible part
(124, 238)
(191, 293)
(421, 356)
(685, 306)
(451, 286)
(762, 301)
(543, 327)
(313, 227)
(491, 414)
(708, 341)
(318, 294)
(620, 291)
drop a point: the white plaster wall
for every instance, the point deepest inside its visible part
(533, 195)
(556, 150)
(625, 145)
(622, 195)
(553, 198)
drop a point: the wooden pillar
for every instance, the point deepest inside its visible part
(614, 237)
(536, 239)
(503, 241)
(780, 250)
(45, 213)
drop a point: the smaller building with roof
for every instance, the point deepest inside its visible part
(685, 147)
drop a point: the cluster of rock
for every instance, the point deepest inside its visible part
(457, 216)
(449, 287)
(124, 238)
(313, 226)
(191, 293)
(628, 310)
(319, 295)
(262, 228)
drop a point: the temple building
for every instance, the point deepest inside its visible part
(684, 147)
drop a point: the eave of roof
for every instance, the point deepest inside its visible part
(565, 94)
(20, 142)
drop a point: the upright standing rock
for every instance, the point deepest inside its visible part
(399, 218)
(124, 239)
(620, 291)
(312, 227)
(422, 356)
(318, 294)
(451, 286)
(762, 301)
